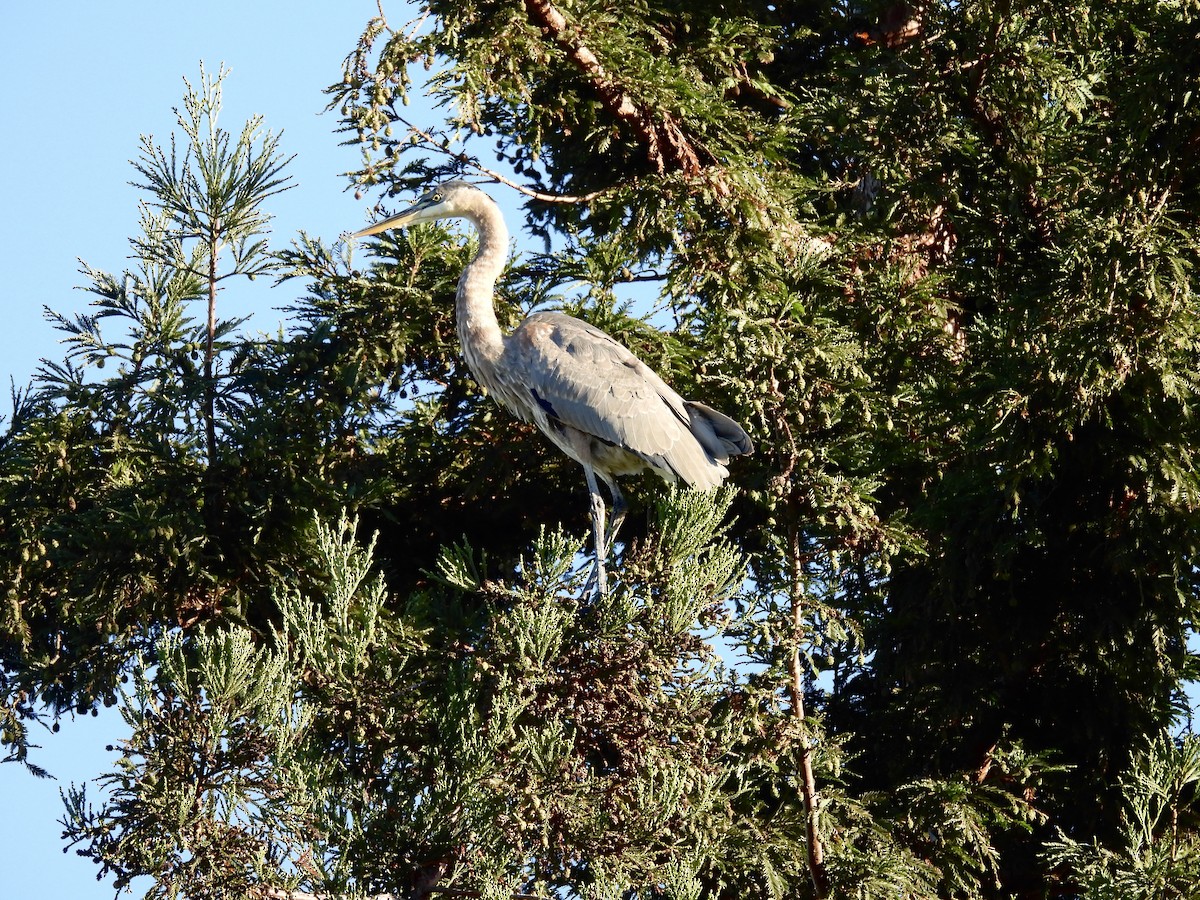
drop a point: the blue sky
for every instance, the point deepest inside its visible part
(82, 81)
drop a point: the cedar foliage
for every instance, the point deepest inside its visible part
(937, 257)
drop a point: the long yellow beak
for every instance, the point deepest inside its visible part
(418, 212)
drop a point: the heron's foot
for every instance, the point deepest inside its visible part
(597, 580)
(610, 538)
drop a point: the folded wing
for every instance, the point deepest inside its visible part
(566, 371)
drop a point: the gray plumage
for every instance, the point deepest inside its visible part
(590, 395)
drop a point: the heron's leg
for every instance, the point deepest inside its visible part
(597, 529)
(619, 508)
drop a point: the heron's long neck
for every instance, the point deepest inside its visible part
(478, 331)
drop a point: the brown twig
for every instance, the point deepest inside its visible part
(667, 146)
(383, 17)
(808, 787)
(463, 158)
(985, 767)
(416, 25)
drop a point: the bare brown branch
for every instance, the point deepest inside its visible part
(429, 140)
(808, 781)
(668, 147)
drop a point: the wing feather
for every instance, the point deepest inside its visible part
(574, 373)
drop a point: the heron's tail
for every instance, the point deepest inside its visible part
(719, 435)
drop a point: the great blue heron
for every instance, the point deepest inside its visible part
(600, 404)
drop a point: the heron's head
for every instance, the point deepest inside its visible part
(446, 201)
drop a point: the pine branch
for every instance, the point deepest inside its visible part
(816, 848)
(210, 387)
(667, 145)
(429, 140)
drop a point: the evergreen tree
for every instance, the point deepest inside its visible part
(943, 255)
(938, 257)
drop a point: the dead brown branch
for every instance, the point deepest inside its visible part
(430, 141)
(668, 147)
(808, 781)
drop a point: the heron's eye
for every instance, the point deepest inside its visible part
(437, 196)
